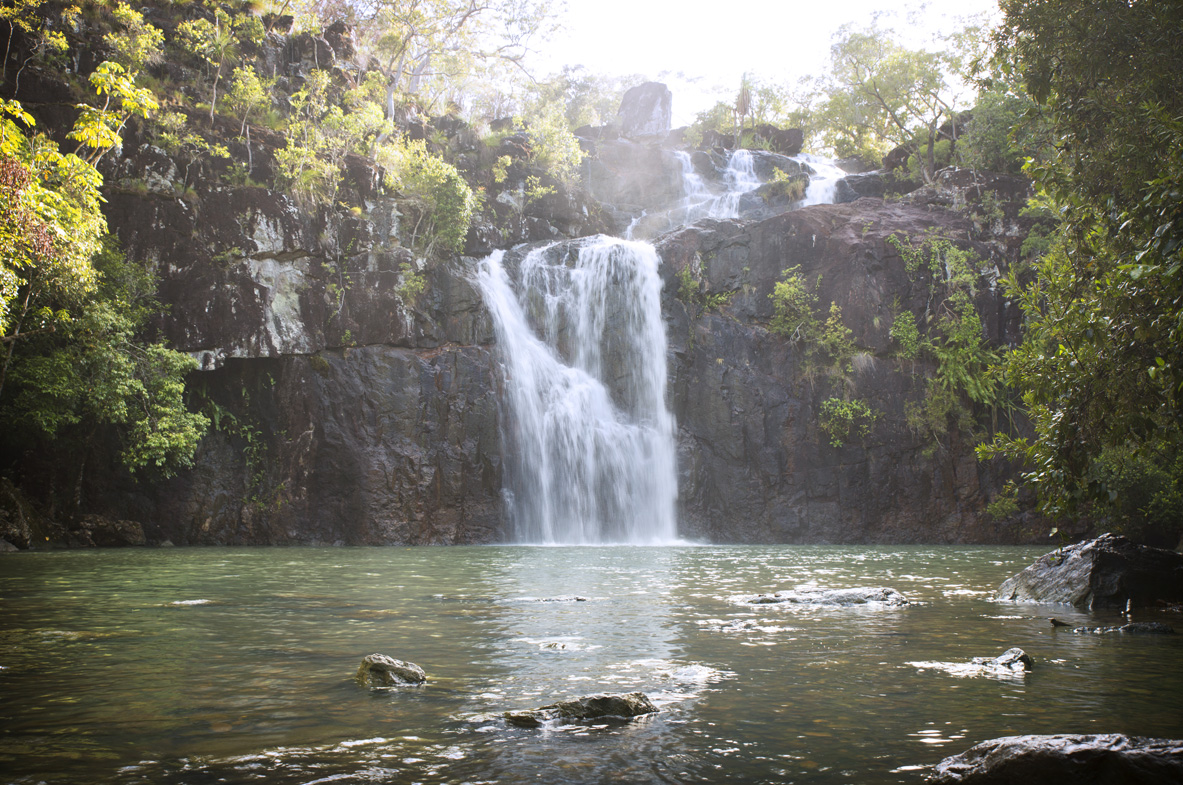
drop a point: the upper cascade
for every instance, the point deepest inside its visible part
(745, 184)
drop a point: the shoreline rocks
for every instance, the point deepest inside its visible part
(1110, 571)
(1100, 759)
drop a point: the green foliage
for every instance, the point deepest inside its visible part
(793, 317)
(412, 282)
(906, 335)
(247, 92)
(98, 128)
(691, 293)
(881, 94)
(1003, 133)
(93, 372)
(1101, 365)
(1005, 505)
(954, 341)
(845, 421)
(552, 145)
(51, 227)
(441, 202)
(789, 186)
(218, 43)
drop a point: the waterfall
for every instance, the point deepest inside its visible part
(823, 179)
(589, 442)
(698, 202)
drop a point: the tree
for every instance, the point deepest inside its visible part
(94, 373)
(881, 94)
(49, 206)
(408, 38)
(1101, 365)
(218, 42)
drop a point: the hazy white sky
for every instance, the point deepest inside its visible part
(713, 43)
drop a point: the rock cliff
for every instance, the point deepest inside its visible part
(348, 408)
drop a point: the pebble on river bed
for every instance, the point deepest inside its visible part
(378, 670)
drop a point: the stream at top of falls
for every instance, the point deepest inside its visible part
(187, 666)
(587, 436)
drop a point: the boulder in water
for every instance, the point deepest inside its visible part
(1110, 571)
(622, 706)
(378, 670)
(872, 595)
(1101, 759)
(646, 110)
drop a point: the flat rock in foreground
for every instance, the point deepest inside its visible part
(1109, 571)
(1102, 759)
(589, 707)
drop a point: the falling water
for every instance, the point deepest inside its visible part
(589, 442)
(823, 180)
(699, 202)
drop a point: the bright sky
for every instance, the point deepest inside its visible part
(712, 44)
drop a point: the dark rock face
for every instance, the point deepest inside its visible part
(591, 707)
(786, 141)
(370, 446)
(753, 464)
(1103, 759)
(646, 111)
(1109, 571)
(346, 412)
(631, 178)
(378, 670)
(106, 533)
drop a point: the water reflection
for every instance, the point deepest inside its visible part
(234, 665)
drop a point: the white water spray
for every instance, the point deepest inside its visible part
(823, 182)
(699, 202)
(589, 442)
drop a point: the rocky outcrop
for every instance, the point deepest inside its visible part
(754, 463)
(645, 111)
(620, 706)
(379, 670)
(1110, 571)
(1102, 759)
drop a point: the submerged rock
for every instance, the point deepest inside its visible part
(1012, 662)
(1108, 571)
(588, 707)
(378, 670)
(1102, 759)
(875, 595)
(1133, 628)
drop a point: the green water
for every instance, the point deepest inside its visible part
(235, 665)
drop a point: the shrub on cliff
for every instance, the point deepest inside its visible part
(441, 203)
